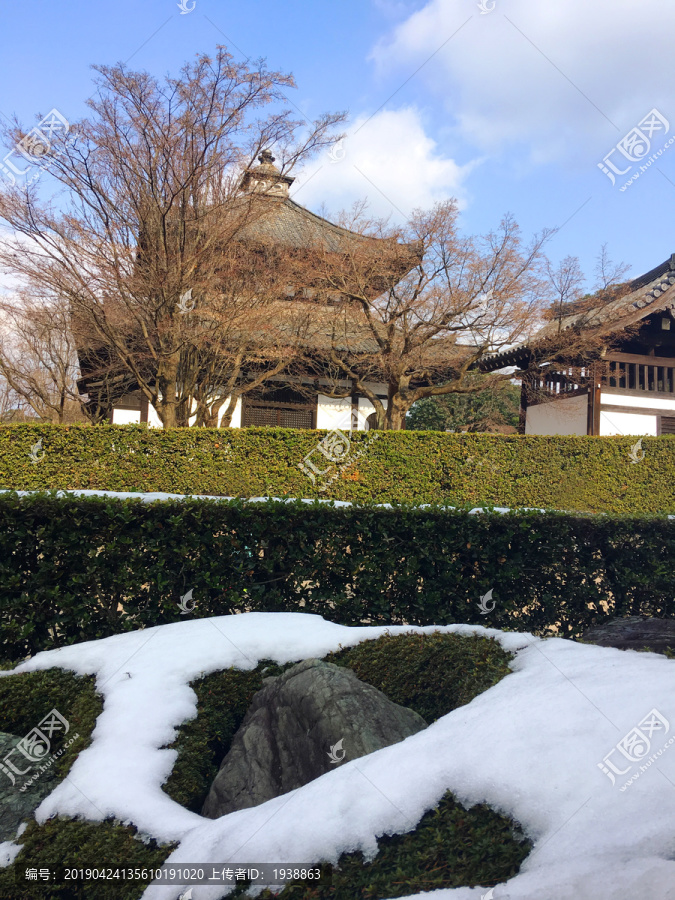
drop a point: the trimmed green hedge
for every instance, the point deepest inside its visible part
(78, 568)
(590, 474)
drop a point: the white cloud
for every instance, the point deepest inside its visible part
(502, 86)
(391, 160)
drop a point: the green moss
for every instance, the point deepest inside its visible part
(450, 847)
(432, 674)
(72, 843)
(25, 699)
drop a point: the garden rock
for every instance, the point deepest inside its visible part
(301, 725)
(17, 806)
(634, 633)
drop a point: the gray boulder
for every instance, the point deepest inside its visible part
(301, 725)
(634, 633)
(17, 806)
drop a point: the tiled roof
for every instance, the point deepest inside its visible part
(288, 224)
(651, 292)
(347, 329)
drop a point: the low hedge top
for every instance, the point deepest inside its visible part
(584, 474)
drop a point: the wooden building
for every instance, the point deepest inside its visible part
(279, 402)
(625, 384)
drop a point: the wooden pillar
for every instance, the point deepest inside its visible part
(523, 406)
(594, 399)
(144, 408)
(355, 412)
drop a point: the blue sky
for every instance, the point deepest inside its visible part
(509, 108)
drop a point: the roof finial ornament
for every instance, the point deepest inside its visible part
(672, 262)
(266, 178)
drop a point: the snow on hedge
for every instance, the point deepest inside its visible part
(150, 497)
(530, 747)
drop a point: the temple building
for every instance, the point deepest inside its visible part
(621, 377)
(279, 402)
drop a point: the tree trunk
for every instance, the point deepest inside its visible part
(229, 412)
(396, 413)
(167, 379)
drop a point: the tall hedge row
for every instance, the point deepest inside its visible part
(74, 569)
(589, 474)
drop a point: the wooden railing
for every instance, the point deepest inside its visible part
(634, 376)
(561, 382)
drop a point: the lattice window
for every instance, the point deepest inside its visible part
(275, 416)
(667, 425)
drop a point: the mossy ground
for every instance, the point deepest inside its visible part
(27, 698)
(72, 843)
(450, 847)
(432, 674)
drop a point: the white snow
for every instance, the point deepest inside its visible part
(530, 747)
(160, 495)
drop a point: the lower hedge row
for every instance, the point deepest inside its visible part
(79, 568)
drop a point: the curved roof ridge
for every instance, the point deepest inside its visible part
(340, 229)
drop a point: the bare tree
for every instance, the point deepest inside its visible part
(425, 304)
(608, 273)
(566, 281)
(570, 354)
(150, 213)
(38, 359)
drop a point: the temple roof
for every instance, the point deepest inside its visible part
(606, 313)
(347, 329)
(292, 225)
(283, 221)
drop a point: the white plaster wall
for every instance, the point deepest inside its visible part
(337, 413)
(366, 408)
(333, 412)
(566, 416)
(637, 402)
(627, 423)
(153, 419)
(126, 416)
